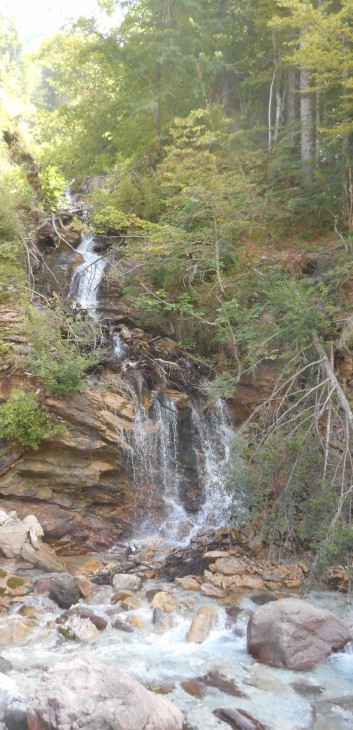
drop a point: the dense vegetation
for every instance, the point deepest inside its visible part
(219, 138)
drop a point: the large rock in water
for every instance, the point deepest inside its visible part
(82, 693)
(294, 634)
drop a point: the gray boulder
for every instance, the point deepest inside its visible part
(83, 693)
(294, 634)
(64, 590)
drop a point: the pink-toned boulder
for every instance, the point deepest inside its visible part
(83, 693)
(294, 634)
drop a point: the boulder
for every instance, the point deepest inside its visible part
(126, 582)
(76, 628)
(5, 665)
(83, 693)
(131, 603)
(294, 634)
(202, 624)
(230, 566)
(122, 626)
(42, 557)
(219, 681)
(188, 582)
(16, 716)
(194, 688)
(239, 719)
(161, 620)
(12, 538)
(15, 630)
(64, 590)
(164, 599)
(99, 622)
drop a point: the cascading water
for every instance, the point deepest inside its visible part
(88, 276)
(157, 464)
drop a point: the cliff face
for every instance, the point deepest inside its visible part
(77, 484)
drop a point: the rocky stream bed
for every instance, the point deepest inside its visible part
(217, 638)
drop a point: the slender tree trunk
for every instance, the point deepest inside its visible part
(158, 108)
(224, 82)
(306, 119)
(290, 110)
(346, 135)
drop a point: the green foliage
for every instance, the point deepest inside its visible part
(63, 350)
(53, 184)
(22, 420)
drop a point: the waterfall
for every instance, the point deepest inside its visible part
(88, 276)
(163, 482)
(176, 456)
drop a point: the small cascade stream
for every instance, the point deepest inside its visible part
(177, 454)
(87, 278)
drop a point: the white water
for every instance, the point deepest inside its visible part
(156, 466)
(168, 659)
(88, 276)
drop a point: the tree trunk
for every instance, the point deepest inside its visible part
(306, 120)
(290, 111)
(158, 109)
(224, 81)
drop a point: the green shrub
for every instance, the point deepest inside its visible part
(62, 349)
(22, 420)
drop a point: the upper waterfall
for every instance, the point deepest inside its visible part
(88, 276)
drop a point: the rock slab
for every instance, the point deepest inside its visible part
(83, 693)
(294, 634)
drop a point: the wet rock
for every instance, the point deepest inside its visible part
(230, 566)
(16, 716)
(208, 589)
(120, 596)
(131, 603)
(81, 688)
(307, 690)
(248, 582)
(122, 626)
(84, 585)
(99, 595)
(78, 629)
(98, 621)
(194, 687)
(15, 630)
(161, 620)
(136, 621)
(5, 665)
(161, 689)
(294, 634)
(30, 611)
(202, 624)
(12, 586)
(260, 599)
(336, 713)
(219, 681)
(189, 583)
(92, 567)
(126, 582)
(64, 590)
(164, 600)
(12, 537)
(239, 719)
(233, 612)
(42, 557)
(42, 586)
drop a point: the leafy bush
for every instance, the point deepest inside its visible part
(63, 349)
(22, 420)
